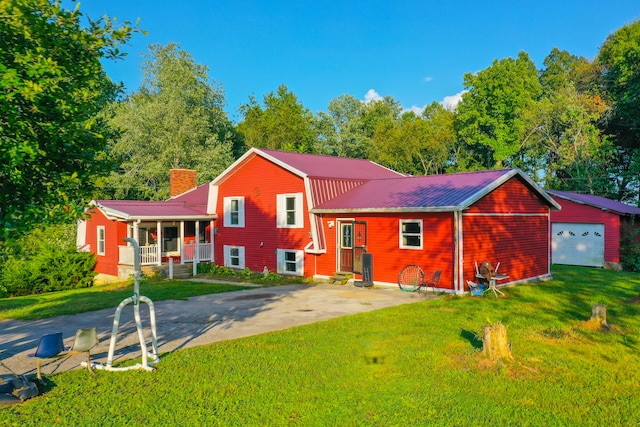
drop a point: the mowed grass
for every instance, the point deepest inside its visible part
(43, 306)
(416, 364)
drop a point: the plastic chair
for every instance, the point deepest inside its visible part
(50, 346)
(85, 340)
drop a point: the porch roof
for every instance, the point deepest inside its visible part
(174, 209)
(433, 193)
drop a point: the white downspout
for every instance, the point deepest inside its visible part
(182, 241)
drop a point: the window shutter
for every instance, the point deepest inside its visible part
(299, 211)
(240, 211)
(227, 258)
(300, 263)
(280, 261)
(241, 255)
(281, 214)
(227, 213)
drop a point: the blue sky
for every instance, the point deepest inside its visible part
(414, 51)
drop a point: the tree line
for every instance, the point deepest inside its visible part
(69, 134)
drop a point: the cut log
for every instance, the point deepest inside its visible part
(495, 344)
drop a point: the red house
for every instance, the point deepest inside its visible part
(588, 229)
(313, 216)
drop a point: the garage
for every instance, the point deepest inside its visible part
(577, 244)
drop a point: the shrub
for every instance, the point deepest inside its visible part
(45, 260)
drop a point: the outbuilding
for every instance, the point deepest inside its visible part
(587, 231)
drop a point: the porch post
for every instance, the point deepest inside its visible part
(212, 233)
(181, 242)
(196, 255)
(159, 228)
(136, 231)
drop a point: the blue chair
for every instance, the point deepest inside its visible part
(50, 346)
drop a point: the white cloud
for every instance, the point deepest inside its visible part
(372, 96)
(451, 102)
(428, 79)
(416, 110)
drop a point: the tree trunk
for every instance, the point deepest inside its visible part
(494, 342)
(599, 314)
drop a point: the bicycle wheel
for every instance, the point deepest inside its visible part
(410, 278)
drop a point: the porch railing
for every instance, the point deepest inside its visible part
(204, 252)
(148, 255)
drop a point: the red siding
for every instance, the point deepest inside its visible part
(260, 181)
(519, 243)
(511, 197)
(585, 214)
(511, 226)
(115, 232)
(383, 233)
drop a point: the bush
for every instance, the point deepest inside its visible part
(45, 260)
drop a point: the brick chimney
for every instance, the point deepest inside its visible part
(182, 180)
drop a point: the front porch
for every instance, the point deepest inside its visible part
(160, 241)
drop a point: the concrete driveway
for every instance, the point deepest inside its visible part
(196, 321)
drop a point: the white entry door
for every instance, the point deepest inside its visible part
(577, 244)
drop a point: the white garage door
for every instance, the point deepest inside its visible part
(577, 244)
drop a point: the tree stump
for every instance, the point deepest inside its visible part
(495, 344)
(599, 314)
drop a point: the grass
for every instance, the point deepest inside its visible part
(75, 301)
(416, 364)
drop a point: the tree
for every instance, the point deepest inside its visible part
(619, 57)
(342, 129)
(283, 124)
(415, 145)
(176, 120)
(490, 120)
(52, 85)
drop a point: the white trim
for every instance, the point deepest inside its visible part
(81, 233)
(402, 233)
(101, 241)
(281, 207)
(227, 201)
(282, 262)
(212, 199)
(227, 257)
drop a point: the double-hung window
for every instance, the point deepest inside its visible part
(234, 257)
(101, 240)
(289, 213)
(234, 211)
(411, 233)
(290, 262)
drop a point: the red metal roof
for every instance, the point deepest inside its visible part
(319, 166)
(597, 201)
(190, 205)
(425, 193)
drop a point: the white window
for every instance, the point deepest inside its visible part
(290, 213)
(290, 262)
(234, 211)
(101, 240)
(411, 234)
(234, 257)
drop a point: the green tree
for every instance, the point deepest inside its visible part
(342, 129)
(490, 117)
(619, 58)
(52, 86)
(283, 123)
(176, 120)
(415, 145)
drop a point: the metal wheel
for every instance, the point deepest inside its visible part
(410, 278)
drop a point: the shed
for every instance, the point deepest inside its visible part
(588, 229)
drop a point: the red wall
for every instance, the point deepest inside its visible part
(515, 233)
(383, 234)
(259, 181)
(585, 214)
(115, 232)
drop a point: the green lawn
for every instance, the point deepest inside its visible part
(416, 364)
